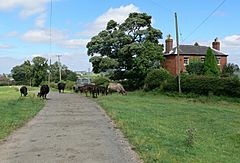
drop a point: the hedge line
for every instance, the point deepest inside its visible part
(205, 85)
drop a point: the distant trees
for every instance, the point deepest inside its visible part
(66, 73)
(37, 71)
(229, 70)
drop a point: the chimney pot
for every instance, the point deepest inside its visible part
(216, 44)
(168, 43)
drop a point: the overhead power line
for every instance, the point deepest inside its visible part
(197, 27)
(50, 42)
(163, 6)
(50, 28)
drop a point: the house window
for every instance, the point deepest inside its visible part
(186, 60)
(218, 60)
(202, 59)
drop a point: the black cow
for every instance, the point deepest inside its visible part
(23, 91)
(44, 90)
(61, 87)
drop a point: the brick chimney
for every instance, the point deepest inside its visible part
(216, 44)
(169, 44)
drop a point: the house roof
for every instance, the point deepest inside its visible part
(194, 50)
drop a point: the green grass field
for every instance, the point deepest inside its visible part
(15, 110)
(156, 127)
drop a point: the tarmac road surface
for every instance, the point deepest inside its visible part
(70, 128)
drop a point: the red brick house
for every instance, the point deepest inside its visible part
(188, 52)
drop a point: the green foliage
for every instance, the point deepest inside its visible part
(156, 126)
(229, 70)
(37, 72)
(210, 64)
(206, 85)
(53, 85)
(23, 74)
(66, 73)
(101, 80)
(129, 49)
(195, 67)
(103, 64)
(156, 78)
(69, 84)
(31, 74)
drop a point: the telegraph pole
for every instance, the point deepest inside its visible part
(178, 57)
(60, 68)
(49, 73)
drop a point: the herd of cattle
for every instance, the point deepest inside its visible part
(91, 89)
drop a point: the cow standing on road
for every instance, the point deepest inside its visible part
(44, 90)
(61, 87)
(23, 91)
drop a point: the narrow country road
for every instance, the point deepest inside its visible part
(70, 128)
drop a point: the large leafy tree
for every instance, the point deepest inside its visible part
(210, 64)
(129, 49)
(40, 68)
(23, 74)
(31, 74)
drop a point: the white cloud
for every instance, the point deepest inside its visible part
(229, 45)
(75, 43)
(233, 41)
(117, 14)
(27, 7)
(40, 20)
(43, 36)
(2, 46)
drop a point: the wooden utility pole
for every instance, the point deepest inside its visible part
(178, 57)
(49, 73)
(60, 68)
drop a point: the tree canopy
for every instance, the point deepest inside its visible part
(129, 49)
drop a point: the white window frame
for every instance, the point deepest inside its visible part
(218, 60)
(186, 59)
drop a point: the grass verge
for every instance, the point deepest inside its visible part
(15, 110)
(177, 129)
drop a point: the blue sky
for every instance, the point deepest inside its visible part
(24, 26)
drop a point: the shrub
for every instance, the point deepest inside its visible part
(69, 84)
(195, 68)
(44, 83)
(53, 85)
(156, 78)
(206, 85)
(101, 80)
(171, 85)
